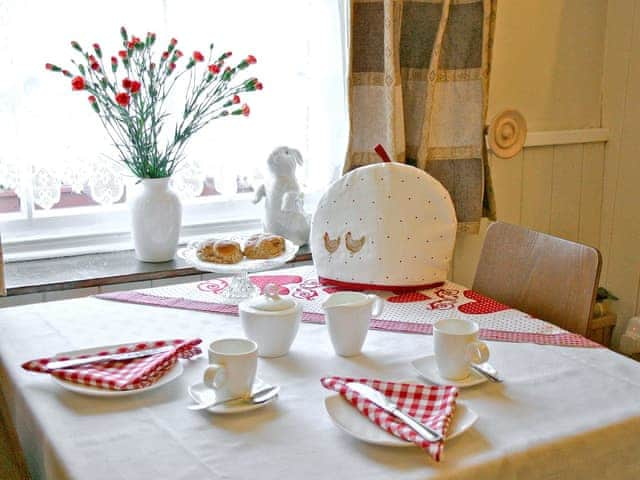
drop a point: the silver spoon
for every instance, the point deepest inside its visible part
(487, 370)
(263, 395)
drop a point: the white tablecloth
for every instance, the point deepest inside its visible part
(561, 413)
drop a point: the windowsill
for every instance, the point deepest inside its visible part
(83, 271)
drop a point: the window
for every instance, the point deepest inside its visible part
(58, 184)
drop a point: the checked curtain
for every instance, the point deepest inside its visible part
(418, 84)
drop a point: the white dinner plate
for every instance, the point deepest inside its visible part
(200, 393)
(351, 421)
(426, 367)
(172, 374)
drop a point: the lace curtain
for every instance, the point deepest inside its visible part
(50, 137)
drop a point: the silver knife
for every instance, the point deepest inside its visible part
(105, 358)
(487, 370)
(382, 401)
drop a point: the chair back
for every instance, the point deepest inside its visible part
(545, 276)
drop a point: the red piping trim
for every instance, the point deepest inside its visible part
(371, 286)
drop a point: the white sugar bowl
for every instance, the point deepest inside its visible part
(271, 321)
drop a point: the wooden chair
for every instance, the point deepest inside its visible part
(545, 276)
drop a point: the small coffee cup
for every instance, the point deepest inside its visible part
(456, 346)
(232, 367)
(347, 315)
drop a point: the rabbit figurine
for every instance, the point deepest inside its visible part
(284, 212)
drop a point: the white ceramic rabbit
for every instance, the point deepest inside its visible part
(284, 212)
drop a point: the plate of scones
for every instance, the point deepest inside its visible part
(237, 254)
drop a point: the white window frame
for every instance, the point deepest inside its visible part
(27, 235)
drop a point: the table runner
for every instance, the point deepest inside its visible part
(413, 312)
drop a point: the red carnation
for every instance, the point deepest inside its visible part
(133, 42)
(123, 99)
(135, 86)
(77, 83)
(198, 57)
(126, 83)
(251, 60)
(214, 68)
(236, 99)
(245, 110)
(122, 54)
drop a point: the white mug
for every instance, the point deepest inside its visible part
(232, 367)
(456, 346)
(347, 315)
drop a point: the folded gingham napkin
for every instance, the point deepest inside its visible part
(121, 375)
(431, 405)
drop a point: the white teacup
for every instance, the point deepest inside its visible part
(232, 367)
(456, 346)
(347, 316)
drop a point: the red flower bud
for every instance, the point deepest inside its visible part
(114, 61)
(228, 54)
(135, 86)
(251, 60)
(76, 45)
(77, 83)
(52, 67)
(122, 54)
(173, 42)
(123, 99)
(126, 83)
(92, 59)
(165, 55)
(95, 66)
(152, 66)
(259, 86)
(213, 68)
(235, 99)
(92, 99)
(178, 53)
(245, 110)
(198, 57)
(96, 47)
(67, 73)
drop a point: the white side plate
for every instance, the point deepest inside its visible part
(427, 368)
(351, 421)
(172, 374)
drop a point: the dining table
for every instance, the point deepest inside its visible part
(564, 410)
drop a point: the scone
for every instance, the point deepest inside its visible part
(264, 245)
(220, 251)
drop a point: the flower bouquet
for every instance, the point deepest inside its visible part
(129, 93)
(129, 96)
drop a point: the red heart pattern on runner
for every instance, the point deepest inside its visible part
(408, 298)
(281, 280)
(480, 305)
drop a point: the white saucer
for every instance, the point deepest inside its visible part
(172, 374)
(351, 421)
(200, 393)
(426, 366)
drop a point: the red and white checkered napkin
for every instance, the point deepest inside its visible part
(121, 375)
(432, 405)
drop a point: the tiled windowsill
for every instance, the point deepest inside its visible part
(96, 270)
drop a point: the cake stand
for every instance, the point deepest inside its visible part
(240, 287)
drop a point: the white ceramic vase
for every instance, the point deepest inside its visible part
(156, 214)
